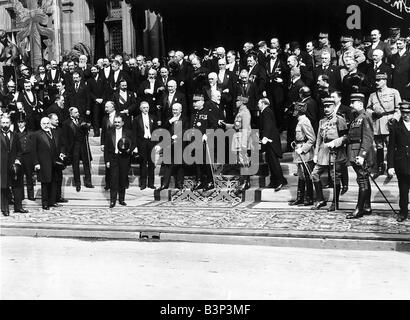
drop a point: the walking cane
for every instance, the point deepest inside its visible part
(293, 145)
(210, 162)
(366, 169)
(88, 149)
(334, 177)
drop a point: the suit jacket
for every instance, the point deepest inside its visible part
(262, 58)
(332, 72)
(401, 73)
(109, 142)
(138, 132)
(293, 93)
(24, 141)
(166, 107)
(79, 99)
(97, 88)
(105, 126)
(45, 153)
(258, 75)
(73, 134)
(250, 91)
(216, 113)
(268, 129)
(30, 106)
(151, 98)
(8, 157)
(371, 74)
(177, 128)
(114, 84)
(355, 79)
(383, 46)
(398, 149)
(62, 114)
(130, 104)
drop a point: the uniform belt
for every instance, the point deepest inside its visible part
(301, 141)
(351, 141)
(387, 113)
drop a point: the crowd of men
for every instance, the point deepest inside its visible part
(332, 104)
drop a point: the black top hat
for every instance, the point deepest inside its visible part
(124, 145)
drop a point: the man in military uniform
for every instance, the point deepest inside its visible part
(202, 121)
(360, 154)
(398, 158)
(24, 143)
(330, 153)
(383, 106)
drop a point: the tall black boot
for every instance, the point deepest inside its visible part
(320, 202)
(367, 209)
(344, 179)
(380, 163)
(309, 193)
(121, 197)
(358, 212)
(30, 192)
(335, 203)
(300, 194)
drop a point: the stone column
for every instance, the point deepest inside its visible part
(67, 11)
(128, 31)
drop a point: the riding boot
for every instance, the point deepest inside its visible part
(320, 202)
(345, 179)
(335, 203)
(358, 212)
(367, 209)
(309, 193)
(380, 163)
(300, 194)
(30, 192)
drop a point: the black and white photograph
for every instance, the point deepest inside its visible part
(205, 154)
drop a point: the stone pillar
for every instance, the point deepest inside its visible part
(128, 30)
(67, 11)
(57, 30)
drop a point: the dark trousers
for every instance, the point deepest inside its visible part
(276, 174)
(119, 168)
(254, 119)
(5, 199)
(291, 130)
(59, 182)
(365, 190)
(49, 191)
(404, 186)
(179, 174)
(97, 113)
(18, 198)
(147, 166)
(28, 168)
(80, 152)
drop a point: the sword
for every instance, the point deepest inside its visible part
(210, 162)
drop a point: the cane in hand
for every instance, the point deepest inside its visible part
(210, 162)
(366, 169)
(293, 145)
(333, 153)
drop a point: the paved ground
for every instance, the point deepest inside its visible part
(39, 268)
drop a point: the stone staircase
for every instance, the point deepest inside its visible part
(227, 180)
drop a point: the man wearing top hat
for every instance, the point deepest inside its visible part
(383, 105)
(25, 144)
(118, 146)
(398, 157)
(360, 153)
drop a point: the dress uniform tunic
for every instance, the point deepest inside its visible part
(304, 138)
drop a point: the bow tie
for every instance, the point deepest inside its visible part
(5, 132)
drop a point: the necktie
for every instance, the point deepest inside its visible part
(375, 66)
(49, 135)
(6, 135)
(76, 87)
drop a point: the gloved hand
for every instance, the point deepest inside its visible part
(359, 160)
(391, 172)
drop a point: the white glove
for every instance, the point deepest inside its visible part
(359, 160)
(330, 144)
(62, 156)
(87, 112)
(173, 119)
(37, 167)
(157, 148)
(315, 159)
(99, 100)
(135, 150)
(225, 91)
(265, 140)
(299, 150)
(107, 164)
(264, 94)
(174, 137)
(204, 138)
(102, 148)
(17, 161)
(391, 172)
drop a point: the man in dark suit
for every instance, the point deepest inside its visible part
(176, 125)
(58, 107)
(143, 126)
(271, 145)
(107, 124)
(24, 139)
(32, 105)
(248, 89)
(401, 69)
(312, 111)
(54, 76)
(398, 158)
(125, 103)
(225, 81)
(10, 156)
(276, 70)
(257, 74)
(47, 150)
(353, 82)
(306, 74)
(97, 88)
(75, 133)
(377, 43)
(262, 53)
(149, 91)
(116, 75)
(296, 84)
(331, 71)
(118, 145)
(378, 67)
(79, 96)
(169, 99)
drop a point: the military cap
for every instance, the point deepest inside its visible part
(404, 106)
(357, 97)
(327, 101)
(394, 32)
(381, 76)
(323, 35)
(242, 98)
(198, 97)
(346, 39)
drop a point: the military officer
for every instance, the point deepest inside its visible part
(383, 106)
(202, 121)
(305, 139)
(361, 153)
(329, 153)
(398, 158)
